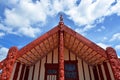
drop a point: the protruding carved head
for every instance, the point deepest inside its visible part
(12, 51)
(111, 52)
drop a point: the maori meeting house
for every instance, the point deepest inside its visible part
(60, 54)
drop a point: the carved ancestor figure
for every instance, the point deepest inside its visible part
(114, 61)
(8, 64)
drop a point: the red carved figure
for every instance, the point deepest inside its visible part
(114, 61)
(8, 64)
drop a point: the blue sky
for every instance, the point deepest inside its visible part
(22, 21)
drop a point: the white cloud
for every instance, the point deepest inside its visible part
(2, 34)
(116, 36)
(83, 14)
(115, 9)
(104, 46)
(25, 13)
(117, 47)
(118, 56)
(3, 52)
(84, 29)
(101, 28)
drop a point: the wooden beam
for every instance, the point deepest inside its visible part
(61, 55)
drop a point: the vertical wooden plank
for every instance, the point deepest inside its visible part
(55, 55)
(42, 71)
(91, 71)
(95, 73)
(106, 71)
(36, 71)
(87, 77)
(39, 70)
(83, 70)
(80, 69)
(100, 72)
(12, 75)
(22, 72)
(72, 56)
(52, 55)
(49, 57)
(26, 73)
(103, 72)
(19, 72)
(61, 56)
(16, 71)
(33, 72)
(110, 70)
(66, 54)
(30, 73)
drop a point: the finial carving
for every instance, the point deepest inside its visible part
(61, 18)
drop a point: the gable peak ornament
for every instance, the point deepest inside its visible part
(61, 20)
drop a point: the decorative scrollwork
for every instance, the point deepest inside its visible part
(114, 61)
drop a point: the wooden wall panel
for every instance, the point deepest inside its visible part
(103, 72)
(106, 71)
(98, 72)
(11, 78)
(30, 73)
(16, 71)
(55, 57)
(26, 73)
(42, 71)
(95, 73)
(84, 71)
(33, 72)
(87, 77)
(22, 72)
(39, 70)
(49, 58)
(66, 54)
(36, 71)
(72, 56)
(80, 70)
(19, 72)
(91, 72)
(110, 70)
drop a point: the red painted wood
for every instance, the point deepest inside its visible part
(114, 62)
(69, 55)
(26, 73)
(89, 72)
(33, 72)
(51, 66)
(52, 55)
(100, 72)
(106, 71)
(61, 53)
(39, 70)
(16, 71)
(22, 72)
(96, 73)
(83, 70)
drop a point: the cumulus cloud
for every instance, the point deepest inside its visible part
(118, 56)
(116, 36)
(24, 13)
(117, 47)
(2, 34)
(3, 52)
(101, 28)
(104, 46)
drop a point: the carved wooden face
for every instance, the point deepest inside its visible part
(112, 53)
